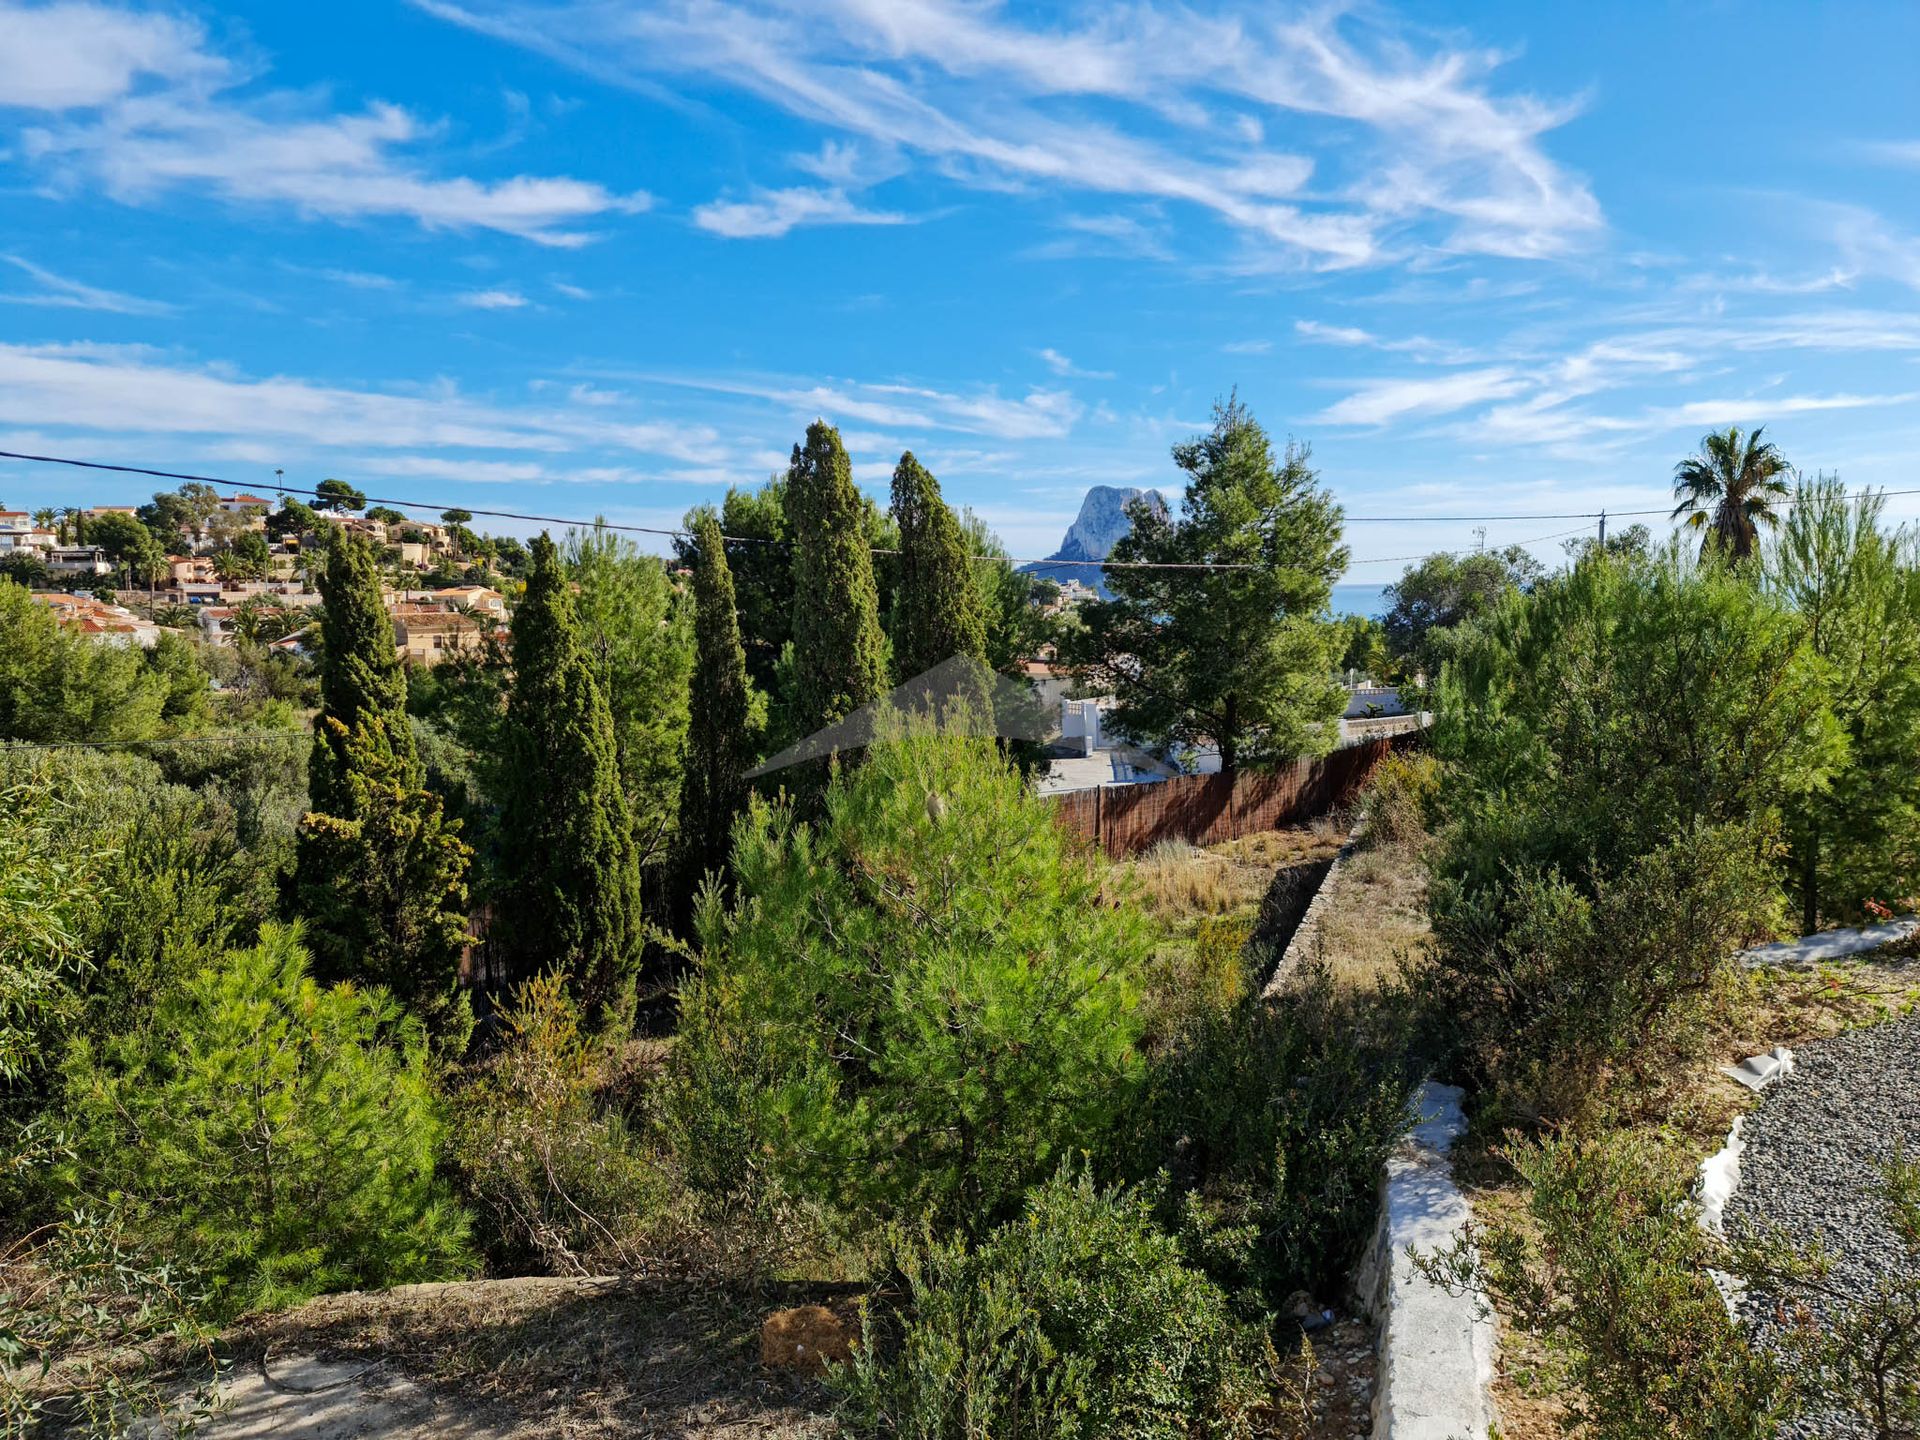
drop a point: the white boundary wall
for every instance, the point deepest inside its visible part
(1436, 1346)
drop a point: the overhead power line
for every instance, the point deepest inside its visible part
(680, 534)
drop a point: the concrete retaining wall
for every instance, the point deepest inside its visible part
(1300, 945)
(1436, 1348)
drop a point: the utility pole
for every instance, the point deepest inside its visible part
(1603, 529)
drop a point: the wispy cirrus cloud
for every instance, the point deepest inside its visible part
(1327, 138)
(1352, 336)
(138, 104)
(1379, 402)
(1064, 367)
(132, 390)
(774, 212)
(492, 300)
(1041, 413)
(60, 292)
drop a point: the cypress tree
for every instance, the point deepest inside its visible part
(381, 872)
(939, 613)
(838, 648)
(720, 708)
(362, 683)
(570, 888)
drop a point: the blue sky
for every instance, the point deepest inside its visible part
(587, 256)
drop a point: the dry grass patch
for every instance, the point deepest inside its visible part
(1181, 883)
(1374, 920)
(538, 1358)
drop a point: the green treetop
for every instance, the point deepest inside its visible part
(381, 872)
(1854, 585)
(361, 681)
(570, 888)
(1431, 601)
(1237, 655)
(938, 612)
(636, 638)
(839, 651)
(719, 738)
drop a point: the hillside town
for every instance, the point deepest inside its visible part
(242, 566)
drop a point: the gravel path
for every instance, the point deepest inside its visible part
(1814, 1145)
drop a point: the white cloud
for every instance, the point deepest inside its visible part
(1247, 347)
(492, 300)
(1407, 145)
(1418, 346)
(1125, 236)
(1040, 414)
(1766, 407)
(1895, 152)
(1064, 367)
(352, 279)
(139, 106)
(58, 292)
(122, 390)
(775, 212)
(64, 56)
(1379, 401)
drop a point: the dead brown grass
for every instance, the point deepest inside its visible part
(1181, 883)
(537, 1359)
(1374, 920)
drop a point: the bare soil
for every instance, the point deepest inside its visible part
(529, 1359)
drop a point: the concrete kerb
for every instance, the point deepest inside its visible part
(1436, 1345)
(1830, 944)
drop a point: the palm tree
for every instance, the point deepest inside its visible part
(1730, 489)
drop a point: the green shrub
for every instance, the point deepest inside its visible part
(1077, 1319)
(1612, 1276)
(95, 1337)
(1273, 1119)
(917, 1006)
(278, 1137)
(1400, 800)
(560, 1183)
(1619, 706)
(1542, 988)
(46, 901)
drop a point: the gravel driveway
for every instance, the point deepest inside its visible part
(1811, 1170)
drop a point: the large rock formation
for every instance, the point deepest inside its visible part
(1101, 523)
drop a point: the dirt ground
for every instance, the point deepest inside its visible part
(525, 1359)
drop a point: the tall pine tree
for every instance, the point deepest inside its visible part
(570, 888)
(839, 651)
(719, 739)
(1237, 655)
(381, 873)
(938, 614)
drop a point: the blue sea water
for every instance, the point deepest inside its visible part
(1359, 600)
